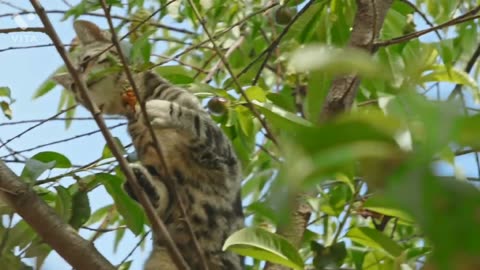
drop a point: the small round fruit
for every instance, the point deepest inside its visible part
(284, 15)
(218, 105)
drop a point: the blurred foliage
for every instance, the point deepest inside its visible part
(371, 176)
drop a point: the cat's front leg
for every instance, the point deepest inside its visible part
(161, 113)
(208, 144)
(153, 187)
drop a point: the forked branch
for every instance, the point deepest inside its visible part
(78, 252)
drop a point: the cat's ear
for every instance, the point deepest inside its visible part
(64, 79)
(89, 32)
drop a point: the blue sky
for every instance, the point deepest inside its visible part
(24, 70)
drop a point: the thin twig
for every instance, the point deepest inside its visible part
(21, 29)
(423, 15)
(198, 45)
(159, 25)
(181, 63)
(15, 154)
(101, 228)
(173, 249)
(57, 119)
(347, 214)
(6, 3)
(269, 50)
(37, 125)
(89, 166)
(123, 227)
(61, 141)
(134, 248)
(239, 89)
(460, 19)
(218, 65)
(29, 47)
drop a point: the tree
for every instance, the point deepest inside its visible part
(348, 118)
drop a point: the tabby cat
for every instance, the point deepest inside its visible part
(199, 156)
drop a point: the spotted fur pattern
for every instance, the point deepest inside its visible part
(199, 157)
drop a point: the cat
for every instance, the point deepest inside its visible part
(198, 154)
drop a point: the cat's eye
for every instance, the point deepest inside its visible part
(84, 63)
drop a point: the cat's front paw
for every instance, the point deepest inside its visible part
(151, 185)
(161, 113)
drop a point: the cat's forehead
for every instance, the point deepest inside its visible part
(96, 49)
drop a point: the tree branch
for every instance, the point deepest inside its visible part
(18, 29)
(78, 252)
(366, 27)
(469, 16)
(157, 225)
(159, 25)
(171, 185)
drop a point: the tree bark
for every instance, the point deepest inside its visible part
(368, 21)
(366, 27)
(78, 252)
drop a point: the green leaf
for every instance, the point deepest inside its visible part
(441, 73)
(331, 256)
(142, 48)
(280, 117)
(48, 84)
(384, 206)
(307, 25)
(6, 109)
(245, 120)
(337, 61)
(5, 92)
(264, 245)
(9, 261)
(118, 237)
(63, 203)
(34, 168)
(106, 153)
(176, 74)
(80, 209)
(256, 93)
(445, 208)
(39, 251)
(125, 266)
(44, 88)
(283, 100)
(126, 206)
(375, 239)
(20, 235)
(60, 161)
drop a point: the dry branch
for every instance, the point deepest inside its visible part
(78, 252)
(157, 225)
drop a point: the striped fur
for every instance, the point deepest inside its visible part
(199, 156)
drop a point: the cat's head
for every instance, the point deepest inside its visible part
(97, 63)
